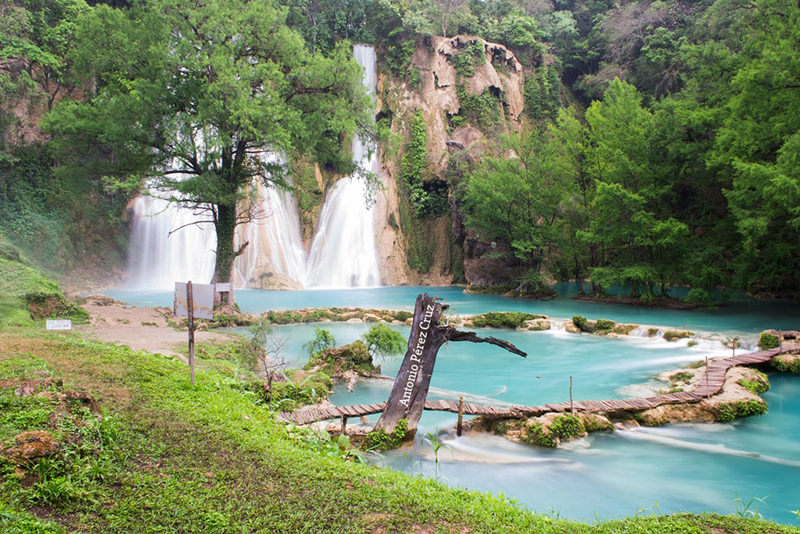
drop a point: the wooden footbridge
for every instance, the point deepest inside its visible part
(710, 383)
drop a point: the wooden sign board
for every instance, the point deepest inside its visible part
(58, 324)
(203, 297)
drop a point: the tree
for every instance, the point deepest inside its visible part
(191, 96)
(323, 339)
(35, 67)
(519, 200)
(383, 340)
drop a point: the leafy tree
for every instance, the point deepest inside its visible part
(323, 339)
(35, 67)
(519, 200)
(384, 341)
(192, 96)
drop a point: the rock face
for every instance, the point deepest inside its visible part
(437, 98)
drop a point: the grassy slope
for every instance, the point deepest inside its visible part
(209, 459)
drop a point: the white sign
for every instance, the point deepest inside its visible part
(59, 324)
(202, 299)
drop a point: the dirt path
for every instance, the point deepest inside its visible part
(138, 328)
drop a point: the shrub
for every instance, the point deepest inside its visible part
(757, 386)
(537, 435)
(582, 323)
(379, 440)
(383, 340)
(566, 426)
(675, 335)
(605, 325)
(735, 410)
(504, 319)
(785, 365)
(768, 341)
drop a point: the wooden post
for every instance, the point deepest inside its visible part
(460, 415)
(344, 425)
(410, 389)
(571, 407)
(708, 391)
(190, 317)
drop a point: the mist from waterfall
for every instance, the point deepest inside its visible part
(157, 258)
(343, 252)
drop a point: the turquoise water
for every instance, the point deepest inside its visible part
(694, 468)
(744, 315)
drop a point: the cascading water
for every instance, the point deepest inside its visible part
(343, 252)
(156, 258)
(276, 243)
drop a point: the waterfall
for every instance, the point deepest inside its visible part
(156, 258)
(276, 243)
(343, 252)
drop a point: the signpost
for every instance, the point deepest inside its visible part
(193, 300)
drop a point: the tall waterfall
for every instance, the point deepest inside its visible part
(156, 258)
(276, 243)
(343, 252)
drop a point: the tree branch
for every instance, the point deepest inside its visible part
(451, 334)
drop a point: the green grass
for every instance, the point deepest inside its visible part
(210, 458)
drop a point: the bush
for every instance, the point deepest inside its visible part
(605, 325)
(537, 435)
(675, 335)
(378, 440)
(768, 341)
(504, 319)
(566, 426)
(786, 365)
(735, 410)
(582, 323)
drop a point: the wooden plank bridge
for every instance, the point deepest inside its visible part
(710, 383)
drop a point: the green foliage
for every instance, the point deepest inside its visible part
(758, 386)
(735, 410)
(566, 426)
(413, 167)
(384, 341)
(683, 376)
(786, 365)
(238, 78)
(519, 200)
(483, 111)
(289, 395)
(335, 361)
(471, 56)
(582, 323)
(378, 440)
(504, 319)
(604, 325)
(768, 341)
(536, 434)
(542, 92)
(675, 335)
(323, 339)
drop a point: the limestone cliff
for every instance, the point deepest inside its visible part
(444, 95)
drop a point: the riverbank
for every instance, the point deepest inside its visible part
(174, 451)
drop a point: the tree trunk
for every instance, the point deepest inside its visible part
(407, 399)
(225, 225)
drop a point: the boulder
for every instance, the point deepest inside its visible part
(29, 446)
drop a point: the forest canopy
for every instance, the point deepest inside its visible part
(659, 146)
